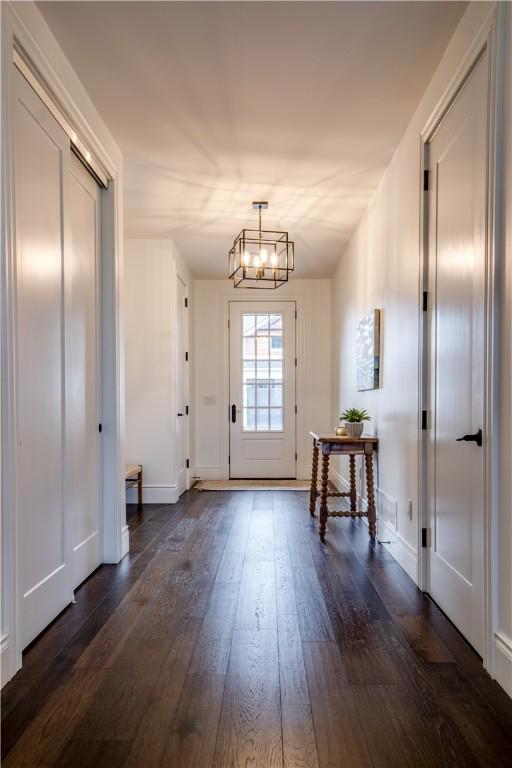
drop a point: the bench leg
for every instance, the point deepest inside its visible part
(372, 515)
(353, 489)
(139, 488)
(314, 478)
(323, 495)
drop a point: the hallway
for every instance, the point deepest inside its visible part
(231, 637)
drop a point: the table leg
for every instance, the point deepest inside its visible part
(314, 478)
(139, 488)
(323, 495)
(371, 496)
(353, 490)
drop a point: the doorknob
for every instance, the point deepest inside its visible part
(233, 413)
(476, 438)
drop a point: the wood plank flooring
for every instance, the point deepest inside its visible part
(230, 637)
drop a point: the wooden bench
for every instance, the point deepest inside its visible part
(133, 476)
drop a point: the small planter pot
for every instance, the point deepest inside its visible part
(354, 428)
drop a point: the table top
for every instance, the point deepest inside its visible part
(325, 437)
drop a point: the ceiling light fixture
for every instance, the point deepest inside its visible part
(260, 258)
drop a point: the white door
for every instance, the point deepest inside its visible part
(262, 389)
(181, 386)
(41, 167)
(83, 447)
(457, 255)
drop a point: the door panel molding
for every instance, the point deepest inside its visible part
(485, 41)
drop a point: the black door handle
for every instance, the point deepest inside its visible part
(233, 413)
(476, 438)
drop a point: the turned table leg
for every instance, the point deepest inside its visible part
(371, 496)
(323, 495)
(353, 491)
(314, 478)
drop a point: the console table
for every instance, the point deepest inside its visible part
(351, 447)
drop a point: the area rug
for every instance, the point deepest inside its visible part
(252, 485)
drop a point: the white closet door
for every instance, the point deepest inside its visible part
(43, 530)
(83, 446)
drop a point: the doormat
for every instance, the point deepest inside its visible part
(252, 485)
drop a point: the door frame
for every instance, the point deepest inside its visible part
(300, 372)
(186, 372)
(23, 30)
(279, 300)
(486, 40)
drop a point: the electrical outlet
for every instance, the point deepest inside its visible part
(409, 508)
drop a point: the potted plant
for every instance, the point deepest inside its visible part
(354, 421)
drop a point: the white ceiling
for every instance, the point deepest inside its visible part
(216, 104)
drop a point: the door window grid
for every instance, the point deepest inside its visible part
(262, 365)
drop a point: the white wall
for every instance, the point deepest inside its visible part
(381, 265)
(211, 367)
(150, 282)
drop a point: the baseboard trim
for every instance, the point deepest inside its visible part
(153, 494)
(503, 661)
(209, 473)
(125, 541)
(405, 555)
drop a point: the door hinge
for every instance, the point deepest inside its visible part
(186, 357)
(425, 301)
(186, 302)
(100, 428)
(295, 362)
(229, 459)
(425, 180)
(295, 314)
(186, 410)
(295, 409)
(295, 455)
(228, 323)
(424, 538)
(188, 463)
(424, 419)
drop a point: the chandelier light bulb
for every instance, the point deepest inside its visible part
(256, 261)
(246, 259)
(274, 259)
(263, 255)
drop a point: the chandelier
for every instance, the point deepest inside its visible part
(260, 258)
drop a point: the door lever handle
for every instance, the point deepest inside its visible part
(233, 413)
(476, 438)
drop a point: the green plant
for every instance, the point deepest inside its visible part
(355, 415)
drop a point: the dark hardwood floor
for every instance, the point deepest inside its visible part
(230, 636)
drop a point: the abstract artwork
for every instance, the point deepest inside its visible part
(368, 351)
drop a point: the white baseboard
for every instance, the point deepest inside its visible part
(125, 541)
(153, 494)
(405, 555)
(503, 661)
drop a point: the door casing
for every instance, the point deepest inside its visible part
(485, 41)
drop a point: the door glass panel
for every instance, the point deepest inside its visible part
(262, 349)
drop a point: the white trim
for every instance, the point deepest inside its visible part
(154, 494)
(484, 40)
(210, 473)
(178, 275)
(503, 661)
(125, 541)
(23, 26)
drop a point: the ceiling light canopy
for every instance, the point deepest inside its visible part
(260, 258)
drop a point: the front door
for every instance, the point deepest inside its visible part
(262, 389)
(457, 254)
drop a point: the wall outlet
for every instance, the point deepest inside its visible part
(409, 508)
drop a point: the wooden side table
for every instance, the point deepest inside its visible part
(133, 476)
(351, 446)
